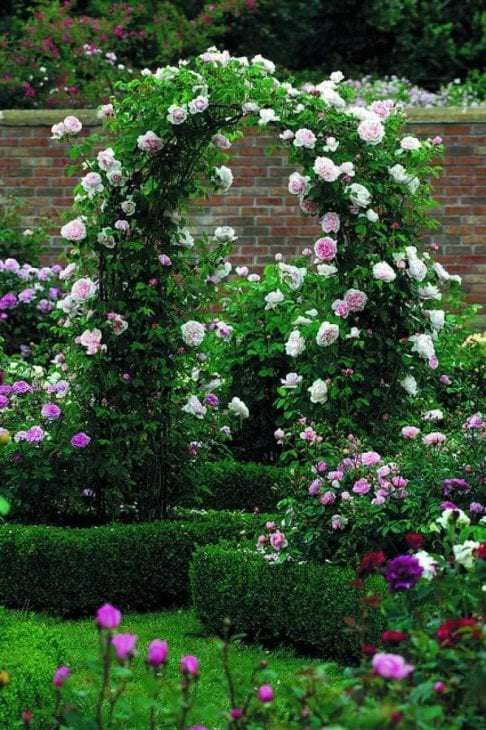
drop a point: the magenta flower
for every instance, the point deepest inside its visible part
(391, 666)
(51, 411)
(403, 572)
(124, 645)
(80, 440)
(35, 435)
(265, 693)
(20, 387)
(190, 665)
(157, 652)
(108, 617)
(60, 676)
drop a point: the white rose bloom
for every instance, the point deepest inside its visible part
(399, 174)
(413, 185)
(225, 234)
(273, 298)
(423, 345)
(443, 274)
(354, 333)
(302, 320)
(410, 143)
(359, 195)
(429, 291)
(327, 334)
(193, 333)
(437, 318)
(416, 268)
(267, 116)
(295, 345)
(224, 177)
(239, 408)
(184, 238)
(427, 563)
(326, 269)
(372, 215)
(291, 381)
(318, 391)
(463, 553)
(409, 384)
(384, 272)
(267, 65)
(292, 275)
(194, 407)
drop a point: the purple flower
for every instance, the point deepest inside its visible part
(80, 440)
(50, 411)
(391, 666)
(451, 485)
(157, 652)
(108, 617)
(20, 387)
(211, 399)
(35, 435)
(403, 572)
(190, 665)
(60, 676)
(474, 421)
(4, 402)
(8, 301)
(265, 693)
(362, 486)
(476, 508)
(124, 645)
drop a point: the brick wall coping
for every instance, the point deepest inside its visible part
(48, 117)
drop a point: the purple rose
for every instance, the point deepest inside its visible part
(35, 435)
(50, 411)
(391, 666)
(403, 572)
(80, 440)
(20, 387)
(8, 301)
(4, 402)
(449, 486)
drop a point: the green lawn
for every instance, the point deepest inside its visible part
(78, 641)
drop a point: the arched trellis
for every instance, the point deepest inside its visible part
(144, 279)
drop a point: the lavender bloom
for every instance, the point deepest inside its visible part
(449, 486)
(80, 440)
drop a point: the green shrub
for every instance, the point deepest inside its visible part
(29, 654)
(240, 485)
(308, 605)
(140, 567)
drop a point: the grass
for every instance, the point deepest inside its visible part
(79, 645)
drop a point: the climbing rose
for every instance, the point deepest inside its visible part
(72, 125)
(391, 666)
(355, 299)
(305, 138)
(83, 289)
(325, 168)
(75, 230)
(327, 334)
(50, 411)
(91, 340)
(176, 114)
(92, 183)
(193, 333)
(325, 248)
(298, 184)
(384, 272)
(149, 142)
(371, 131)
(318, 391)
(239, 408)
(330, 222)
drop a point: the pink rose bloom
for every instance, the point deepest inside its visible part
(190, 665)
(355, 299)
(278, 540)
(391, 666)
(106, 110)
(338, 522)
(149, 142)
(122, 225)
(314, 487)
(305, 138)
(75, 230)
(165, 260)
(265, 693)
(176, 114)
(327, 498)
(309, 207)
(410, 432)
(434, 439)
(58, 131)
(80, 440)
(330, 222)
(436, 140)
(325, 168)
(308, 434)
(371, 131)
(370, 458)
(158, 652)
(327, 334)
(340, 308)
(72, 125)
(51, 411)
(83, 289)
(362, 486)
(60, 676)
(383, 107)
(91, 340)
(474, 421)
(445, 380)
(124, 645)
(325, 248)
(298, 184)
(198, 105)
(108, 617)
(92, 183)
(106, 159)
(384, 272)
(286, 135)
(35, 435)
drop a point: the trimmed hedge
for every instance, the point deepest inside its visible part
(304, 605)
(30, 654)
(240, 485)
(138, 567)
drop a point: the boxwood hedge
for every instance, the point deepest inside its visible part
(308, 605)
(139, 567)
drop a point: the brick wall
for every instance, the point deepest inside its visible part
(258, 205)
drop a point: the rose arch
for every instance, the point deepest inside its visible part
(139, 310)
